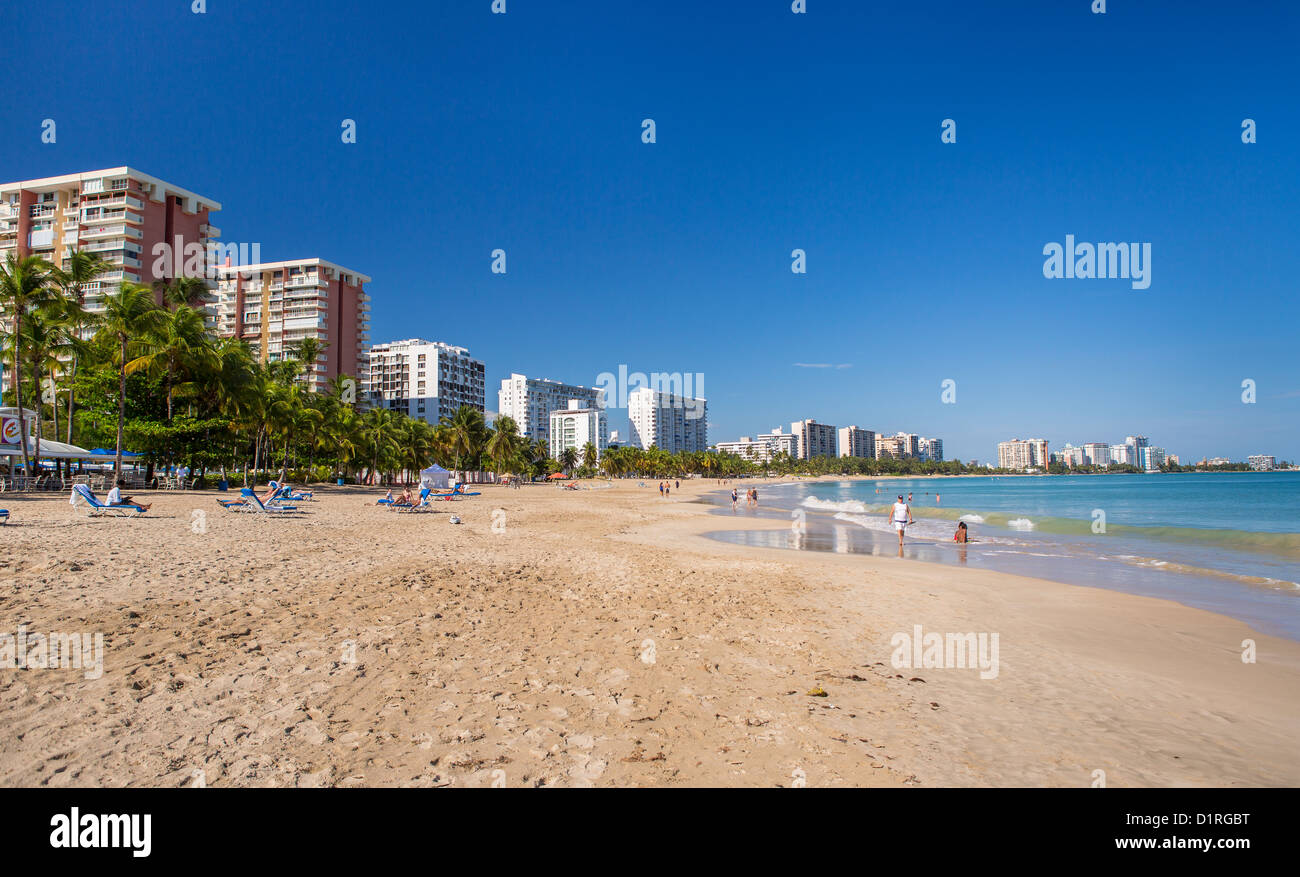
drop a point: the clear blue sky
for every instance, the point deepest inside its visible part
(775, 131)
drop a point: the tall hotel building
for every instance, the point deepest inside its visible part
(857, 442)
(120, 214)
(531, 401)
(668, 421)
(275, 305)
(814, 439)
(424, 379)
(1026, 454)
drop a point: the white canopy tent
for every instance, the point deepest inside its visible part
(435, 477)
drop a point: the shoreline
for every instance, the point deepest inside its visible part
(1249, 598)
(598, 639)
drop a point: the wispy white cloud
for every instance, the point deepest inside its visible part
(823, 365)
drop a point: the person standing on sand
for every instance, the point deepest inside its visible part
(901, 514)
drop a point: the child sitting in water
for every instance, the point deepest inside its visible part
(961, 534)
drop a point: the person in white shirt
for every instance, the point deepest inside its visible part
(901, 515)
(115, 497)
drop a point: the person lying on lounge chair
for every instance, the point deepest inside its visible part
(115, 497)
(387, 500)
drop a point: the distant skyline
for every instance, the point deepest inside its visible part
(775, 132)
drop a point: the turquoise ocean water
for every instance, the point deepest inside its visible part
(1229, 542)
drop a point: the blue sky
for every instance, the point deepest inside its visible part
(775, 131)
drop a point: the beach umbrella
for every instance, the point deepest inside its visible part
(556, 475)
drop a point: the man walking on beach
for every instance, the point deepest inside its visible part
(901, 514)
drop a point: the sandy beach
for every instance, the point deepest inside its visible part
(594, 638)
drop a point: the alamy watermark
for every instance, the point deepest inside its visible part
(952, 651)
(53, 651)
(676, 389)
(1103, 261)
(193, 259)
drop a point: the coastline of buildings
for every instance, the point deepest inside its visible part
(132, 219)
(1031, 455)
(809, 438)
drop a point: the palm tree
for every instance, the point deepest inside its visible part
(172, 347)
(380, 434)
(183, 291)
(503, 443)
(467, 433)
(128, 316)
(43, 341)
(76, 321)
(568, 459)
(305, 353)
(24, 285)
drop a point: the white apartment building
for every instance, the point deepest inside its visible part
(274, 306)
(1261, 462)
(931, 449)
(857, 442)
(747, 448)
(531, 401)
(668, 421)
(1151, 458)
(814, 439)
(1123, 455)
(1024, 454)
(781, 442)
(900, 446)
(425, 379)
(574, 426)
(1096, 453)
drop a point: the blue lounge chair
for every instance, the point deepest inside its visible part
(97, 508)
(4, 517)
(253, 503)
(422, 506)
(287, 494)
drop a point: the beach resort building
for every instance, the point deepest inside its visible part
(120, 214)
(1261, 462)
(931, 449)
(1123, 455)
(424, 379)
(668, 421)
(781, 442)
(747, 448)
(531, 401)
(574, 426)
(1096, 454)
(1025, 454)
(1151, 458)
(274, 306)
(857, 442)
(814, 439)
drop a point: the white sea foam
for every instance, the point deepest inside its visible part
(972, 519)
(1020, 524)
(827, 505)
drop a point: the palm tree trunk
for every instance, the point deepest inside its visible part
(18, 388)
(40, 405)
(72, 378)
(121, 410)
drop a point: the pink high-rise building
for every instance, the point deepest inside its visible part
(275, 305)
(119, 213)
